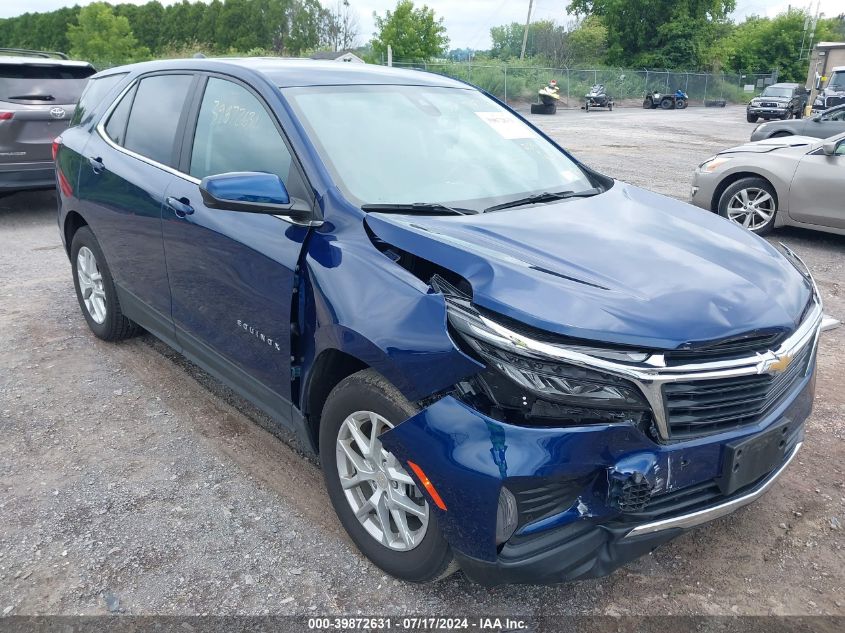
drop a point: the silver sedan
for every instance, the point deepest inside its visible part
(789, 181)
(822, 125)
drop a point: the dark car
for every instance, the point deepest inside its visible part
(833, 94)
(38, 93)
(821, 125)
(778, 101)
(506, 361)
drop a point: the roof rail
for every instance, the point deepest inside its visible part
(32, 53)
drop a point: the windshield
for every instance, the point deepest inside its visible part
(776, 92)
(837, 82)
(406, 144)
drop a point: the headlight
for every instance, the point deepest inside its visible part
(712, 164)
(545, 376)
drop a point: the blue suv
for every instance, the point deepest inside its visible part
(507, 362)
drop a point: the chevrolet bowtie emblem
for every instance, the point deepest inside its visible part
(779, 365)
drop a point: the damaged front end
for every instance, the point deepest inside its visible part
(559, 460)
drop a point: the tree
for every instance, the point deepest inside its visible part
(658, 33)
(100, 35)
(587, 42)
(768, 43)
(342, 26)
(413, 34)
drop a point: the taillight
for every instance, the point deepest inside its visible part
(56, 142)
(6, 116)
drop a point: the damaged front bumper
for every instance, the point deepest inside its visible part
(589, 498)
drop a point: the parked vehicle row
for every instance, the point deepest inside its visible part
(488, 385)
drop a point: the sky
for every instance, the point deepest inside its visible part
(467, 22)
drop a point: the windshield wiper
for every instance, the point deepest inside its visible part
(34, 97)
(416, 207)
(546, 196)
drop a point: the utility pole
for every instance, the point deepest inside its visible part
(525, 33)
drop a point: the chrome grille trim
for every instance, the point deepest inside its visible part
(651, 374)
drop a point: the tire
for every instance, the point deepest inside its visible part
(751, 118)
(680, 104)
(667, 103)
(587, 106)
(367, 393)
(102, 313)
(786, 115)
(648, 104)
(610, 107)
(799, 114)
(731, 204)
(541, 108)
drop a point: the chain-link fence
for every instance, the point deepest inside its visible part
(515, 84)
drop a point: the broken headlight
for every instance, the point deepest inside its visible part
(533, 376)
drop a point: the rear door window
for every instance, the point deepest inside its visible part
(154, 118)
(44, 83)
(92, 96)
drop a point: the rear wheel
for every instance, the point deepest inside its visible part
(378, 503)
(610, 106)
(751, 203)
(648, 104)
(587, 106)
(95, 289)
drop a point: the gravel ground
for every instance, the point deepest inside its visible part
(131, 482)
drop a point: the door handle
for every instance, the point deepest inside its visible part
(97, 165)
(180, 206)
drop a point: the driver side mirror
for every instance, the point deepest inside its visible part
(830, 149)
(252, 192)
(817, 118)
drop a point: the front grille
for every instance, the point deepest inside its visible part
(708, 406)
(835, 101)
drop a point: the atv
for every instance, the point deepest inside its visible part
(678, 101)
(598, 98)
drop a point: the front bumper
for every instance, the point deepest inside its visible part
(27, 176)
(767, 113)
(570, 525)
(583, 550)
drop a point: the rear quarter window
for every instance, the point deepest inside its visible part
(92, 96)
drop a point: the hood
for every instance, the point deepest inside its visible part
(626, 267)
(776, 143)
(758, 100)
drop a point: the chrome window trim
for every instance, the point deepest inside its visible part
(651, 374)
(101, 130)
(714, 512)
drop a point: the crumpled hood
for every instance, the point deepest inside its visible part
(627, 267)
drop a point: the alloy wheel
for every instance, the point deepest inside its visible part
(753, 208)
(384, 498)
(91, 284)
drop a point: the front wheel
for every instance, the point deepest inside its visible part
(751, 203)
(751, 118)
(681, 104)
(587, 106)
(377, 502)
